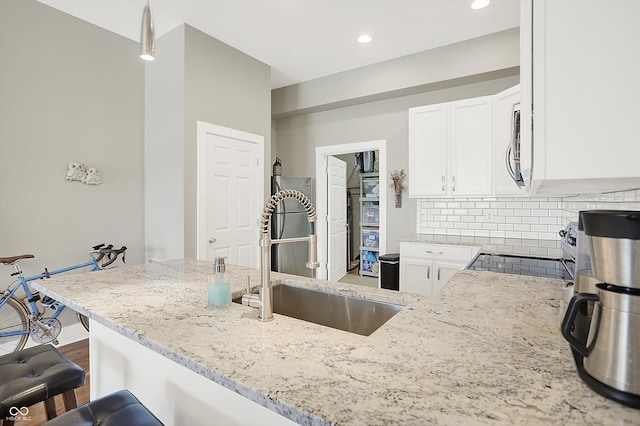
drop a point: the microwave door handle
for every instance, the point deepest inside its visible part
(507, 161)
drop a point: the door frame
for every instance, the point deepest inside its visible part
(322, 152)
(203, 129)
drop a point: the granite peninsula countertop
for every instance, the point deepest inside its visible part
(485, 350)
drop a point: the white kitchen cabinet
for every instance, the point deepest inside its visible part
(580, 87)
(503, 107)
(450, 148)
(426, 268)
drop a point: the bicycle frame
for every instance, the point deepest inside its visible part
(22, 283)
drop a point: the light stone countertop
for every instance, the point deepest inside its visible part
(486, 350)
(493, 245)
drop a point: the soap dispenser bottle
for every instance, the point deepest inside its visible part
(219, 286)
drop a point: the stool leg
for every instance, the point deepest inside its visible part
(6, 422)
(69, 398)
(50, 408)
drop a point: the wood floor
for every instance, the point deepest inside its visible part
(77, 352)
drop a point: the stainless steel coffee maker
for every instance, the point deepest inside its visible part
(602, 322)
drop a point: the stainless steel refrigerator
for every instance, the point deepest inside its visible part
(290, 220)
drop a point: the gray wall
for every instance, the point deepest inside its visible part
(68, 91)
(480, 59)
(194, 78)
(298, 136)
(164, 148)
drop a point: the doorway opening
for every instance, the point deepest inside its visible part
(323, 200)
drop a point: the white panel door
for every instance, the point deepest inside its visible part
(230, 194)
(337, 218)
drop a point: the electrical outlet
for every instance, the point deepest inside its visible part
(489, 216)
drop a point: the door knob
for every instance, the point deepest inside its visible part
(212, 240)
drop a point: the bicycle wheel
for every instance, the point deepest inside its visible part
(14, 326)
(83, 320)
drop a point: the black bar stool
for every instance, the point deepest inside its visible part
(116, 409)
(35, 375)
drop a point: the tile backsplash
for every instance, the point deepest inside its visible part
(513, 217)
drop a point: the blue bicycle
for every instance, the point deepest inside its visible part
(20, 315)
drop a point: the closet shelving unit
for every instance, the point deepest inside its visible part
(369, 230)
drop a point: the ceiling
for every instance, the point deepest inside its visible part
(306, 39)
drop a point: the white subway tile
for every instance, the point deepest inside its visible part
(513, 234)
(539, 228)
(550, 205)
(514, 205)
(505, 212)
(522, 212)
(531, 220)
(550, 220)
(548, 235)
(530, 235)
(530, 205)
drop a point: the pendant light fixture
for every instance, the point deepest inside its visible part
(480, 4)
(147, 39)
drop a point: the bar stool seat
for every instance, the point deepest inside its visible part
(37, 374)
(116, 409)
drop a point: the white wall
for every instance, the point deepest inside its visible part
(68, 91)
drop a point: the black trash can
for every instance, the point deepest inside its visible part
(390, 271)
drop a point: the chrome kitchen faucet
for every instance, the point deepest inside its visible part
(264, 300)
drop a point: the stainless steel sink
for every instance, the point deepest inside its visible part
(350, 314)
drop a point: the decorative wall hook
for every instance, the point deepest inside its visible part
(79, 172)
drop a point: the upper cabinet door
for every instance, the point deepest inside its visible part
(450, 148)
(470, 144)
(427, 150)
(584, 88)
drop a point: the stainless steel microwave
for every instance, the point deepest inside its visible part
(512, 155)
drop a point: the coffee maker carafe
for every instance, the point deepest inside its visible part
(608, 354)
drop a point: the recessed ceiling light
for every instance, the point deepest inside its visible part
(479, 4)
(364, 38)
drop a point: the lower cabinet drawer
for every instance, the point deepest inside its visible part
(437, 251)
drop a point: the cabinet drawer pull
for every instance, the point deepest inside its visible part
(438, 274)
(433, 252)
(453, 184)
(428, 272)
(443, 183)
